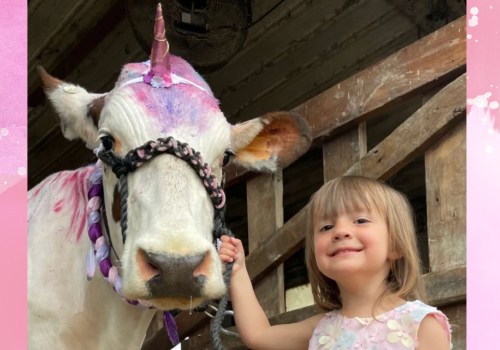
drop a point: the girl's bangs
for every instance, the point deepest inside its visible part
(345, 196)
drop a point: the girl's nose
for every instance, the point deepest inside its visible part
(341, 234)
(341, 231)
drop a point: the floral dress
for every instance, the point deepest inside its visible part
(393, 330)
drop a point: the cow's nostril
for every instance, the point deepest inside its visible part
(203, 269)
(147, 269)
(168, 274)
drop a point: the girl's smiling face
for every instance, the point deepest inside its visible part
(352, 244)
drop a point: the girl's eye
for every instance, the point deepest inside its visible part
(326, 228)
(227, 157)
(361, 221)
(108, 142)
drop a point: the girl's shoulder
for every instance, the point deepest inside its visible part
(410, 316)
(418, 310)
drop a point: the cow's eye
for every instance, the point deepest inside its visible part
(108, 142)
(227, 157)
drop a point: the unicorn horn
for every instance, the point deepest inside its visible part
(160, 55)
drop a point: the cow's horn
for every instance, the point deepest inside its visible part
(49, 83)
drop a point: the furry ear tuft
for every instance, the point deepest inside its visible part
(271, 141)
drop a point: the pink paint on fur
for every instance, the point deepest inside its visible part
(58, 206)
(172, 106)
(37, 191)
(71, 187)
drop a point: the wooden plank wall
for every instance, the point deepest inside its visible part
(435, 131)
(299, 50)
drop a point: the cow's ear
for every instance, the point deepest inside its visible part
(78, 110)
(273, 140)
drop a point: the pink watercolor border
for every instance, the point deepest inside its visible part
(483, 172)
(13, 184)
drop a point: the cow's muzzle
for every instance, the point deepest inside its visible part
(172, 275)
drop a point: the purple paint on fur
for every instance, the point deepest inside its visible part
(172, 106)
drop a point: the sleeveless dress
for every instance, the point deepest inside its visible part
(393, 330)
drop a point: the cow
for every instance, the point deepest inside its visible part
(162, 142)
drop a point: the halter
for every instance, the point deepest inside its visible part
(121, 167)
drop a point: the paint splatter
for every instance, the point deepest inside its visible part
(474, 20)
(482, 102)
(12, 156)
(58, 206)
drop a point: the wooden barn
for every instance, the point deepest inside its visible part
(381, 82)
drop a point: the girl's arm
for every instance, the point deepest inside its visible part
(432, 335)
(251, 321)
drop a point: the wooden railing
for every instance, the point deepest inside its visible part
(433, 67)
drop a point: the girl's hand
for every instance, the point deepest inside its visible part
(231, 250)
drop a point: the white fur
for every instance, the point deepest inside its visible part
(71, 104)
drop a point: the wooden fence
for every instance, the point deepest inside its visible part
(431, 71)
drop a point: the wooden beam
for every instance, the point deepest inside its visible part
(457, 316)
(446, 287)
(271, 43)
(417, 133)
(50, 48)
(338, 47)
(424, 64)
(445, 185)
(265, 216)
(420, 65)
(340, 153)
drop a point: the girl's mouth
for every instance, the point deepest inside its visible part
(345, 251)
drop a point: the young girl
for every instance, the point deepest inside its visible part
(364, 270)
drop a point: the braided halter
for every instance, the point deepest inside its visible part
(121, 167)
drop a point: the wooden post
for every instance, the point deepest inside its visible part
(445, 186)
(343, 151)
(265, 216)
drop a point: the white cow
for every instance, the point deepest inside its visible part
(168, 259)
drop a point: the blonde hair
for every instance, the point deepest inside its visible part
(350, 193)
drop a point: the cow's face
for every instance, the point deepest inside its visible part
(168, 256)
